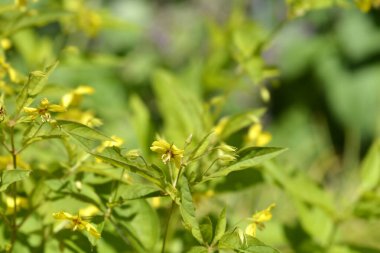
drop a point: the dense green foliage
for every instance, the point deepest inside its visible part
(138, 126)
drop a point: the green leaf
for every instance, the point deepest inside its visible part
(369, 171)
(198, 249)
(111, 155)
(180, 107)
(140, 222)
(301, 188)
(137, 191)
(316, 222)
(140, 119)
(201, 146)
(11, 176)
(33, 86)
(244, 243)
(188, 211)
(230, 240)
(240, 121)
(253, 245)
(220, 227)
(206, 228)
(87, 137)
(249, 157)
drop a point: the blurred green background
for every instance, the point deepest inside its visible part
(324, 105)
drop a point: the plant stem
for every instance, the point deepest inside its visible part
(14, 189)
(167, 227)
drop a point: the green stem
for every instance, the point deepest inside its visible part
(14, 190)
(167, 227)
(34, 135)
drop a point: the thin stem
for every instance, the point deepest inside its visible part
(14, 190)
(178, 175)
(209, 167)
(6, 221)
(34, 135)
(167, 227)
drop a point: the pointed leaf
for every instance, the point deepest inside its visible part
(253, 245)
(230, 240)
(33, 86)
(198, 249)
(188, 211)
(111, 155)
(239, 121)
(206, 230)
(249, 157)
(137, 191)
(87, 137)
(370, 168)
(220, 227)
(10, 176)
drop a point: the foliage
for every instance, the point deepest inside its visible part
(67, 185)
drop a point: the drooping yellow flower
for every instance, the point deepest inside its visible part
(258, 220)
(44, 110)
(77, 223)
(168, 151)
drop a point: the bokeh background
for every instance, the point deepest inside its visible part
(316, 69)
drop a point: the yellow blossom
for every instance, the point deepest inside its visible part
(44, 110)
(366, 5)
(6, 162)
(75, 97)
(6, 69)
(168, 151)
(20, 202)
(89, 210)
(5, 43)
(85, 117)
(258, 220)
(114, 142)
(219, 128)
(77, 223)
(257, 136)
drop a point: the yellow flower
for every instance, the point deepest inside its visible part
(75, 97)
(168, 151)
(6, 162)
(77, 223)
(44, 110)
(85, 117)
(114, 142)
(20, 202)
(6, 69)
(258, 220)
(219, 128)
(5, 43)
(257, 136)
